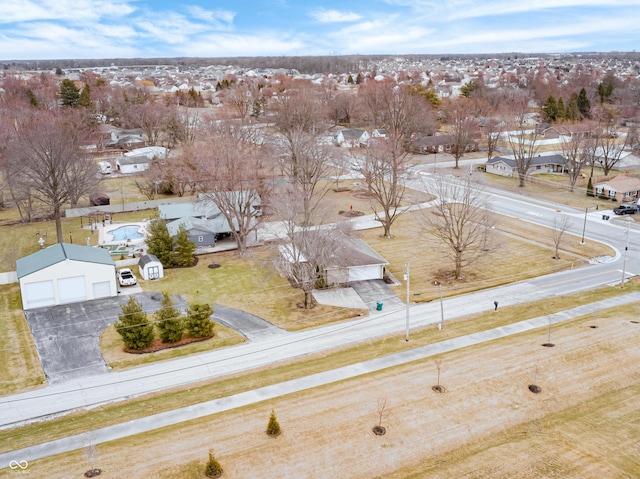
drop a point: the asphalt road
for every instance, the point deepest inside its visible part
(269, 348)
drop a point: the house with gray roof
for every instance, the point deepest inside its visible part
(507, 166)
(66, 273)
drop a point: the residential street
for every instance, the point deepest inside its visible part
(265, 349)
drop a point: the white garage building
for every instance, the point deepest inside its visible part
(66, 273)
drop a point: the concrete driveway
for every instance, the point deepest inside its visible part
(67, 337)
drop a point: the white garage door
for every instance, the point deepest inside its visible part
(72, 290)
(39, 294)
(362, 273)
(102, 289)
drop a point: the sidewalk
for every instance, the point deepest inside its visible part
(259, 395)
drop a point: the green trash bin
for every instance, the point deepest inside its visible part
(379, 306)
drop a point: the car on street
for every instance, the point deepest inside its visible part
(630, 209)
(126, 277)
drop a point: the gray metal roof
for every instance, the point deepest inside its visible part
(59, 252)
(148, 258)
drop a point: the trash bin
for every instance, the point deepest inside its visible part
(379, 306)
(605, 217)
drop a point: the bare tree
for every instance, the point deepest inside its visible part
(461, 220)
(46, 159)
(235, 180)
(523, 142)
(463, 129)
(560, 226)
(306, 250)
(493, 136)
(404, 117)
(151, 118)
(578, 152)
(609, 149)
(385, 168)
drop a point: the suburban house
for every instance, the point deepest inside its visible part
(202, 219)
(620, 188)
(627, 160)
(140, 159)
(132, 164)
(150, 267)
(351, 138)
(66, 273)
(126, 139)
(352, 260)
(440, 144)
(505, 166)
(200, 231)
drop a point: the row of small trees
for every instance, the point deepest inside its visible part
(138, 332)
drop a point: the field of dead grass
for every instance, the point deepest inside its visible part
(486, 425)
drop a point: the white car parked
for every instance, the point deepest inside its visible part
(126, 277)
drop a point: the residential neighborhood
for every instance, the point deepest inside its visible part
(204, 239)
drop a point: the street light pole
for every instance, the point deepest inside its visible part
(406, 278)
(441, 325)
(584, 226)
(624, 258)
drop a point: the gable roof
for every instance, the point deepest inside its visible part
(148, 258)
(620, 183)
(554, 159)
(60, 252)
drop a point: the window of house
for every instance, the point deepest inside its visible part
(200, 239)
(612, 194)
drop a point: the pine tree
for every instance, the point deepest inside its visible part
(359, 79)
(69, 93)
(590, 188)
(213, 469)
(561, 113)
(197, 323)
(273, 428)
(572, 111)
(85, 98)
(134, 328)
(168, 321)
(550, 108)
(160, 243)
(584, 104)
(350, 80)
(184, 249)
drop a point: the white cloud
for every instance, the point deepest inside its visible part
(218, 19)
(334, 16)
(72, 11)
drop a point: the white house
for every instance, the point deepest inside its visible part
(351, 138)
(66, 273)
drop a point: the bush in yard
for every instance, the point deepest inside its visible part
(134, 327)
(160, 243)
(183, 249)
(213, 469)
(273, 428)
(168, 321)
(198, 324)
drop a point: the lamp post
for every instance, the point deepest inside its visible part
(406, 278)
(584, 225)
(441, 323)
(624, 257)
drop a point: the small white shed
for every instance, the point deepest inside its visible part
(66, 273)
(150, 267)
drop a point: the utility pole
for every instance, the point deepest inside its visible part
(406, 278)
(624, 258)
(441, 325)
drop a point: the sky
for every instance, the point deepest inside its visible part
(78, 29)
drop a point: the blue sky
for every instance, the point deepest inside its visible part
(60, 29)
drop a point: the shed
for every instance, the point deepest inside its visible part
(66, 273)
(150, 267)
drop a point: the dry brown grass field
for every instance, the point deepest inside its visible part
(583, 423)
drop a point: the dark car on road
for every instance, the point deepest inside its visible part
(625, 210)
